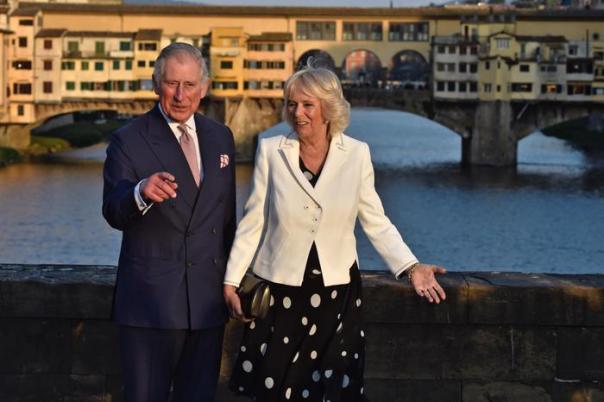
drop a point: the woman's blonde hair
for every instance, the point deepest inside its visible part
(325, 85)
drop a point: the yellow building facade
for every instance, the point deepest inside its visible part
(62, 52)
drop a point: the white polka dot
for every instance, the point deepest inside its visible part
(272, 329)
(272, 302)
(286, 340)
(241, 389)
(269, 383)
(316, 376)
(247, 366)
(339, 315)
(263, 349)
(287, 302)
(362, 390)
(345, 381)
(288, 393)
(362, 334)
(358, 302)
(339, 329)
(334, 294)
(252, 325)
(296, 357)
(356, 355)
(305, 394)
(313, 354)
(315, 300)
(304, 321)
(312, 330)
(328, 373)
(316, 272)
(344, 353)
(243, 348)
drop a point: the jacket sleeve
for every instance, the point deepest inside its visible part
(119, 206)
(381, 232)
(230, 213)
(251, 226)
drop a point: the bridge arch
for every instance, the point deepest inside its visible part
(320, 58)
(361, 67)
(410, 69)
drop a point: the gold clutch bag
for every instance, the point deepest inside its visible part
(255, 296)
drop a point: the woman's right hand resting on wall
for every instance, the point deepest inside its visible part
(422, 277)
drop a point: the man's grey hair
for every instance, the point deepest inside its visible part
(174, 50)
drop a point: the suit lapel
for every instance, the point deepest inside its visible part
(290, 150)
(331, 169)
(210, 159)
(170, 156)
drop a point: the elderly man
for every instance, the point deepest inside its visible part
(169, 186)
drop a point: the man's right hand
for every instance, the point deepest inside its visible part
(158, 187)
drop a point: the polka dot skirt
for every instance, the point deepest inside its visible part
(311, 345)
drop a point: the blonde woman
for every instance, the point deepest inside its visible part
(309, 187)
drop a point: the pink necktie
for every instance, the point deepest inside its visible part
(188, 148)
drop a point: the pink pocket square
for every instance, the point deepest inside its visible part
(224, 161)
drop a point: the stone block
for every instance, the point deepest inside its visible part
(535, 299)
(459, 352)
(577, 392)
(94, 348)
(52, 388)
(581, 353)
(384, 390)
(504, 392)
(35, 346)
(390, 301)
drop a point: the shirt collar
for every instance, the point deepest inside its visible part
(190, 123)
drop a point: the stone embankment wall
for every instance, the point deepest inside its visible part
(504, 337)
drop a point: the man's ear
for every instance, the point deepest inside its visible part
(155, 88)
(205, 87)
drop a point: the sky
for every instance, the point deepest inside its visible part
(327, 3)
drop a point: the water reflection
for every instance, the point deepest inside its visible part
(542, 216)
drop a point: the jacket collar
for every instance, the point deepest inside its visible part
(336, 156)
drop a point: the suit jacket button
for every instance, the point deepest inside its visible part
(214, 230)
(215, 261)
(189, 264)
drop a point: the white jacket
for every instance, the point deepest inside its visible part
(285, 214)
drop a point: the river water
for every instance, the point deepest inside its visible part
(546, 215)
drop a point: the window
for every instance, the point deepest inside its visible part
(151, 63)
(525, 68)
(451, 67)
(128, 64)
(486, 87)
(22, 65)
(595, 36)
(463, 49)
(440, 49)
(146, 85)
(266, 47)
(20, 110)
(73, 46)
(47, 65)
(463, 87)
(47, 44)
(463, 67)
(473, 67)
(573, 50)
(362, 31)
(70, 85)
(84, 66)
(47, 87)
(22, 41)
(452, 49)
(21, 88)
(68, 65)
(408, 31)
(125, 45)
(473, 87)
(451, 86)
(440, 66)
(226, 64)
(315, 30)
(521, 87)
(487, 65)
(502, 43)
(99, 48)
(116, 64)
(86, 86)
(147, 46)
(440, 86)
(27, 22)
(141, 63)
(99, 66)
(474, 50)
(224, 85)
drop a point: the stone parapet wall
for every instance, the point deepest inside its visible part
(498, 337)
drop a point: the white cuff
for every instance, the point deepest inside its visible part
(143, 207)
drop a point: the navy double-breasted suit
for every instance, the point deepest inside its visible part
(172, 258)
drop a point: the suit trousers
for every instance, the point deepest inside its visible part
(156, 362)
